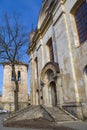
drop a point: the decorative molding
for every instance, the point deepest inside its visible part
(62, 1)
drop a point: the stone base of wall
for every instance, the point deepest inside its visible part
(23, 105)
(78, 110)
(1, 105)
(84, 110)
(10, 105)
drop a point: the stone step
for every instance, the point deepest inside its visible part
(35, 113)
(58, 114)
(62, 117)
(14, 114)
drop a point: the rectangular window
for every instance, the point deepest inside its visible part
(81, 21)
(12, 77)
(19, 76)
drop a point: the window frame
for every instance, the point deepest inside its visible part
(50, 48)
(12, 76)
(19, 75)
(79, 32)
(75, 37)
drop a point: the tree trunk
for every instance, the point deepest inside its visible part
(16, 91)
(16, 100)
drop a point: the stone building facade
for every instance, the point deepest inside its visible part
(58, 56)
(0, 98)
(9, 86)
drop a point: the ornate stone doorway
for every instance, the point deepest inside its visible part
(49, 84)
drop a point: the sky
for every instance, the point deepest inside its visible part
(28, 10)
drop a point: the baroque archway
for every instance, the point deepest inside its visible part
(48, 83)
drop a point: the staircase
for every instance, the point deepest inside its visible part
(30, 113)
(59, 115)
(52, 114)
(14, 114)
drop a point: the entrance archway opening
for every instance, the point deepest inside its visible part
(53, 94)
(48, 83)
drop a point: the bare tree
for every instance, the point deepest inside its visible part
(13, 45)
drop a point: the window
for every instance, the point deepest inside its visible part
(81, 21)
(85, 78)
(50, 74)
(19, 76)
(50, 46)
(85, 70)
(12, 77)
(36, 67)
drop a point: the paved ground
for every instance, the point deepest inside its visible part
(70, 125)
(76, 125)
(3, 128)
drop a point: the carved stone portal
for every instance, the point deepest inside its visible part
(49, 84)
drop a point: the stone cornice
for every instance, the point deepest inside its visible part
(46, 23)
(16, 63)
(39, 32)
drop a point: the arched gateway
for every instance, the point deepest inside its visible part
(49, 86)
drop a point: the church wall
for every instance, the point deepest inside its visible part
(79, 53)
(45, 38)
(64, 57)
(69, 57)
(69, 54)
(41, 53)
(32, 80)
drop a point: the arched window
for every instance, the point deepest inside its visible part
(50, 74)
(50, 46)
(36, 67)
(19, 76)
(81, 21)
